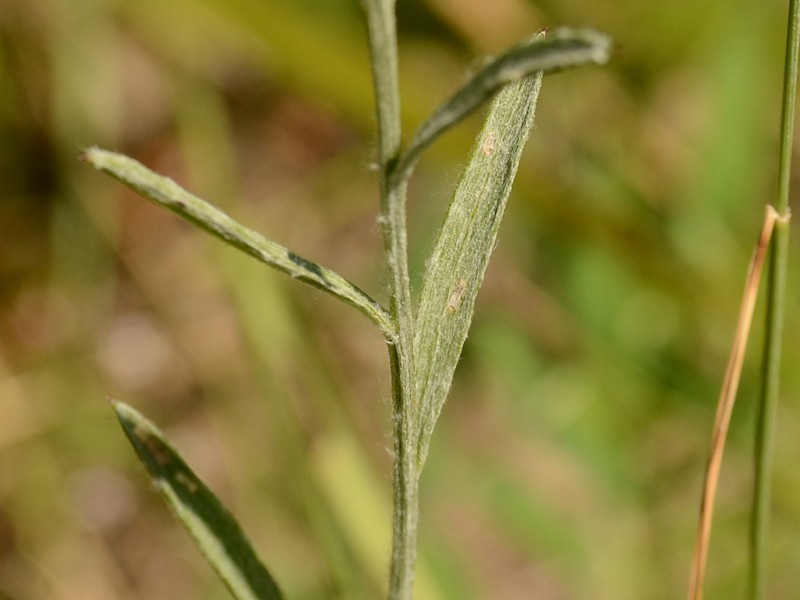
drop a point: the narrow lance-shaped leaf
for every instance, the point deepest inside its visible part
(546, 53)
(461, 253)
(213, 528)
(166, 192)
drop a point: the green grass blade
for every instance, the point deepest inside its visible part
(169, 194)
(556, 51)
(213, 528)
(774, 323)
(461, 253)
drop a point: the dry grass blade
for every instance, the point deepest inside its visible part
(725, 406)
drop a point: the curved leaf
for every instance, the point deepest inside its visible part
(166, 192)
(546, 53)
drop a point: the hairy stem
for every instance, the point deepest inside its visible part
(383, 50)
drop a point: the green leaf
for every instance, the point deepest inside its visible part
(213, 528)
(166, 192)
(546, 53)
(461, 253)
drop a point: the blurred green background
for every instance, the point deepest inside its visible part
(568, 461)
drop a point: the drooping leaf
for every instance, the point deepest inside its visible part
(457, 264)
(213, 529)
(166, 192)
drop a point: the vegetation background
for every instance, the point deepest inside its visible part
(568, 461)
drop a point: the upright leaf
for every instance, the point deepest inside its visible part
(461, 253)
(213, 528)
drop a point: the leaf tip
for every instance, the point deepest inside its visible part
(599, 44)
(122, 410)
(102, 160)
(90, 155)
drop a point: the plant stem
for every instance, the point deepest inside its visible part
(383, 51)
(406, 485)
(776, 286)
